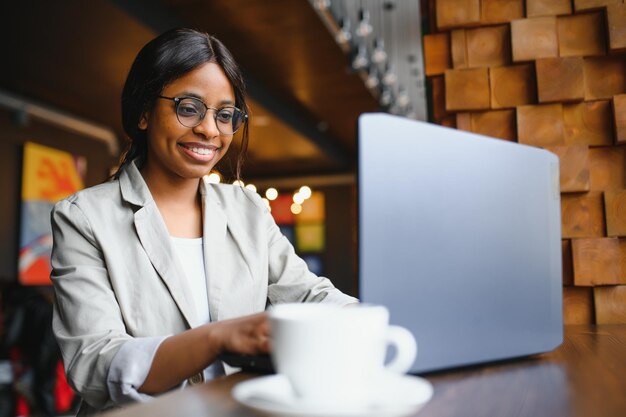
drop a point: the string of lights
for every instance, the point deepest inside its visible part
(382, 41)
(299, 197)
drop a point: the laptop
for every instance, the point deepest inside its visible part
(460, 237)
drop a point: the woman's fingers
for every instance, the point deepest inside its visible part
(246, 335)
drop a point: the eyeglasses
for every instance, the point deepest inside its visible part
(190, 112)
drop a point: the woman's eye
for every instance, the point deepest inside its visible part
(224, 115)
(187, 110)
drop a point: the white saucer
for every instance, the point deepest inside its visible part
(396, 395)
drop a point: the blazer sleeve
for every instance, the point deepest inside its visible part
(289, 277)
(87, 321)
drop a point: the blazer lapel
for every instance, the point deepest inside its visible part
(155, 240)
(214, 235)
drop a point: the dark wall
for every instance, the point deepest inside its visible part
(12, 137)
(341, 245)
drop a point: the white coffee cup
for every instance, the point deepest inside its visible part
(332, 355)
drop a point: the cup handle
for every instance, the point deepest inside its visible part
(406, 349)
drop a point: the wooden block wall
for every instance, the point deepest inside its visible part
(454, 13)
(605, 77)
(622, 251)
(574, 167)
(536, 8)
(464, 121)
(610, 301)
(495, 123)
(438, 98)
(619, 111)
(607, 166)
(540, 125)
(581, 35)
(534, 38)
(467, 89)
(580, 5)
(589, 123)
(578, 305)
(596, 262)
(513, 86)
(582, 215)
(568, 265)
(616, 17)
(458, 48)
(560, 79)
(437, 53)
(615, 209)
(488, 46)
(501, 11)
(551, 74)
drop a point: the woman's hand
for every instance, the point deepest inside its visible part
(247, 335)
(187, 353)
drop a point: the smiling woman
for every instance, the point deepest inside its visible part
(175, 66)
(158, 271)
(181, 141)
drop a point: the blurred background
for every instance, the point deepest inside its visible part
(546, 73)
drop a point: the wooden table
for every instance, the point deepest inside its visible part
(585, 376)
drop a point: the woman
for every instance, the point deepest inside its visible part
(157, 272)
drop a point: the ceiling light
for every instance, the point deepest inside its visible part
(305, 192)
(386, 97)
(390, 76)
(403, 99)
(322, 4)
(360, 61)
(344, 35)
(379, 56)
(296, 208)
(271, 193)
(214, 178)
(298, 198)
(364, 28)
(372, 80)
(381, 42)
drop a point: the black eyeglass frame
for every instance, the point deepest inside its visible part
(177, 101)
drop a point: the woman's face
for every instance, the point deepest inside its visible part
(176, 150)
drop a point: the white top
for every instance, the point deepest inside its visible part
(191, 257)
(131, 364)
(190, 253)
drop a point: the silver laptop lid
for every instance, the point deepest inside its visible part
(460, 237)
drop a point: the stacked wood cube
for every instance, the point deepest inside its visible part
(551, 74)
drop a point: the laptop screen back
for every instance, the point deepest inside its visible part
(460, 237)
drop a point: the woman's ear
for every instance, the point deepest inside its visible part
(143, 122)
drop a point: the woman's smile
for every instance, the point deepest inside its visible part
(199, 151)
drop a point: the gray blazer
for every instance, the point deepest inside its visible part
(116, 277)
